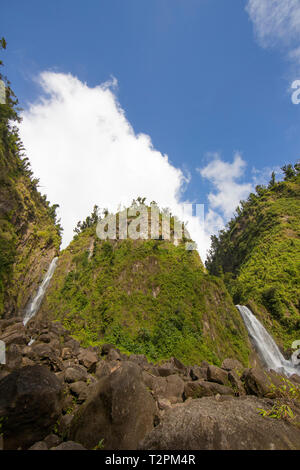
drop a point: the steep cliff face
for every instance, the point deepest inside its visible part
(149, 297)
(258, 256)
(29, 232)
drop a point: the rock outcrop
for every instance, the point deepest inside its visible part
(222, 424)
(30, 404)
(120, 411)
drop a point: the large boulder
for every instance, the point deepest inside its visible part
(114, 355)
(175, 365)
(217, 375)
(14, 334)
(80, 390)
(107, 347)
(225, 424)
(295, 378)
(236, 383)
(202, 388)
(75, 373)
(170, 387)
(44, 354)
(13, 357)
(197, 373)
(73, 345)
(139, 359)
(105, 368)
(262, 383)
(41, 445)
(52, 440)
(30, 403)
(69, 445)
(88, 359)
(233, 364)
(120, 411)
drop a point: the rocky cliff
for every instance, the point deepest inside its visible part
(29, 231)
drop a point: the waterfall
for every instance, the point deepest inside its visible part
(265, 345)
(35, 304)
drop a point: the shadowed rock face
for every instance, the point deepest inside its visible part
(30, 403)
(224, 424)
(121, 411)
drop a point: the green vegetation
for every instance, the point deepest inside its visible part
(258, 255)
(278, 411)
(100, 445)
(28, 223)
(288, 395)
(2, 421)
(145, 296)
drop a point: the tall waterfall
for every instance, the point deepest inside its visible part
(35, 304)
(265, 345)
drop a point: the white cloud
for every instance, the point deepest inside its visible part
(294, 55)
(227, 190)
(277, 23)
(85, 152)
(275, 20)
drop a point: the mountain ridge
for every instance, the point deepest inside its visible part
(258, 254)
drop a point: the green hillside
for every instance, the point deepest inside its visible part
(258, 255)
(145, 296)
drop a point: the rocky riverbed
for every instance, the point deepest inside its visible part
(55, 394)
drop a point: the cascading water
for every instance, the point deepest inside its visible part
(265, 345)
(35, 304)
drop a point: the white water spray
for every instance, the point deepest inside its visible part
(265, 345)
(34, 306)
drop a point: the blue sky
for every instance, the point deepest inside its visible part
(205, 79)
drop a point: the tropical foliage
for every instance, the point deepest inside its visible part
(145, 296)
(258, 254)
(24, 212)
